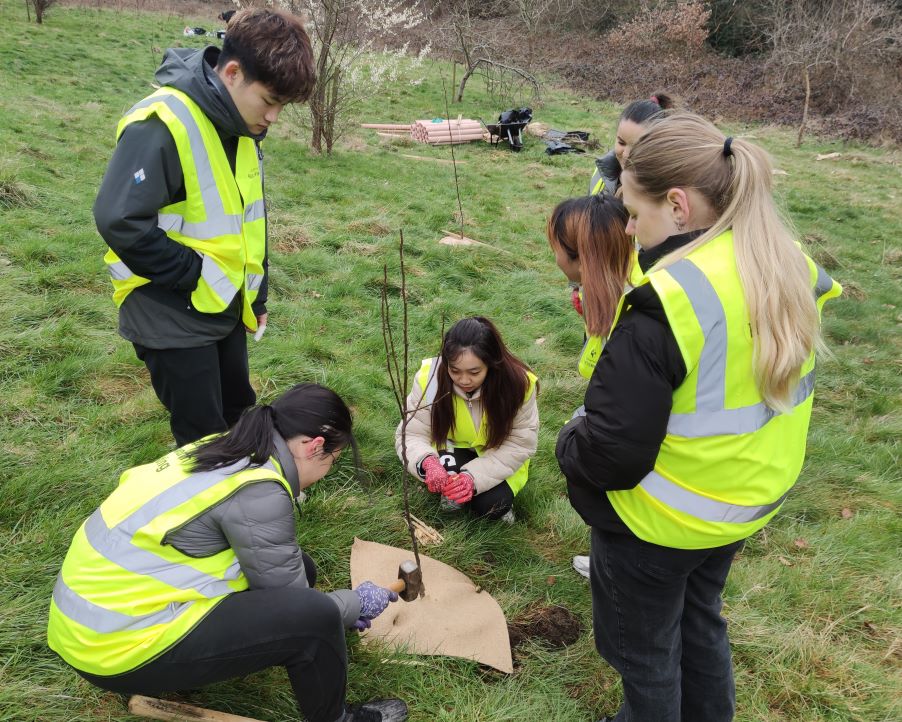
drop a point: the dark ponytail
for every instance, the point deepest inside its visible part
(304, 410)
(641, 111)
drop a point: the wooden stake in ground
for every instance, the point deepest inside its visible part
(162, 709)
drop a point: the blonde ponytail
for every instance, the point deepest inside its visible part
(686, 151)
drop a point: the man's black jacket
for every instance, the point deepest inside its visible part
(144, 175)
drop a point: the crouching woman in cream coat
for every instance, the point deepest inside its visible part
(474, 422)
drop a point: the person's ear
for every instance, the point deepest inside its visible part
(678, 201)
(231, 73)
(315, 446)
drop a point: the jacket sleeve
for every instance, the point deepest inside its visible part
(500, 463)
(258, 524)
(143, 176)
(418, 432)
(259, 306)
(627, 406)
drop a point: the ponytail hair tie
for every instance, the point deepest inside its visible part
(727, 149)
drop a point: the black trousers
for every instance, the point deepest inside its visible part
(205, 389)
(656, 617)
(299, 629)
(491, 504)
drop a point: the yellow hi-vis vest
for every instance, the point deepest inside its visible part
(594, 345)
(222, 218)
(465, 435)
(728, 460)
(124, 595)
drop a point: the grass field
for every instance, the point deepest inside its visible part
(814, 599)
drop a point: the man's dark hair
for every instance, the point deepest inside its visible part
(272, 47)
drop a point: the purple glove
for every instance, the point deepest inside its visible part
(373, 601)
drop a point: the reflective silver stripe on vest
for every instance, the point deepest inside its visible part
(255, 211)
(254, 281)
(824, 282)
(117, 546)
(217, 280)
(105, 621)
(217, 223)
(120, 271)
(742, 420)
(712, 364)
(213, 228)
(703, 507)
(711, 418)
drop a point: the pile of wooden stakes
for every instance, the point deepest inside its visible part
(434, 132)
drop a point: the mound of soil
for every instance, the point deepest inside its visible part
(552, 625)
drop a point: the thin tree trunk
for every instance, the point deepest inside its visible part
(463, 84)
(28, 9)
(807, 77)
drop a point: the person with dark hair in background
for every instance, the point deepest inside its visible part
(631, 125)
(181, 207)
(474, 422)
(189, 573)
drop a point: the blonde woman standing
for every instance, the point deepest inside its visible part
(696, 414)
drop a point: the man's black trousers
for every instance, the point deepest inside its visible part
(299, 629)
(205, 389)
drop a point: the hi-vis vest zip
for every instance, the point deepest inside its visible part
(728, 460)
(466, 436)
(594, 345)
(124, 595)
(223, 218)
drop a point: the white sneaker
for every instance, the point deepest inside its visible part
(508, 518)
(581, 565)
(447, 505)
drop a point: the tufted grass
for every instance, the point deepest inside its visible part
(813, 601)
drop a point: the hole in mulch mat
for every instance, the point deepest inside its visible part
(552, 625)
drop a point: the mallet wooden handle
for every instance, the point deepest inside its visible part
(162, 709)
(397, 586)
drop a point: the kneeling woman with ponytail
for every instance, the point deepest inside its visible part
(474, 422)
(189, 573)
(696, 414)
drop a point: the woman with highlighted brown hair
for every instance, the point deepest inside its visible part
(591, 247)
(474, 422)
(696, 414)
(588, 237)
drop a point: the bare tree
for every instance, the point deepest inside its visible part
(348, 35)
(352, 63)
(833, 46)
(40, 7)
(536, 14)
(477, 45)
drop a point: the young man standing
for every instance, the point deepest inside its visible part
(181, 208)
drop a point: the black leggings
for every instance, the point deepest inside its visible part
(299, 629)
(493, 503)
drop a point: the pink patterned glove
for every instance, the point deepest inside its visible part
(460, 488)
(436, 475)
(576, 301)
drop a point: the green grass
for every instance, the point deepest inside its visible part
(813, 601)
